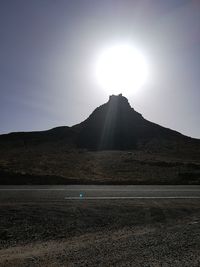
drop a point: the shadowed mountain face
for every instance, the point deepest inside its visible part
(115, 125)
(95, 152)
(112, 126)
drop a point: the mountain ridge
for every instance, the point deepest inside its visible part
(114, 145)
(115, 125)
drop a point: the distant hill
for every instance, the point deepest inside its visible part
(56, 135)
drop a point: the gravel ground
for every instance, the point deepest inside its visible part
(101, 233)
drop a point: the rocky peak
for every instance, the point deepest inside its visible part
(119, 100)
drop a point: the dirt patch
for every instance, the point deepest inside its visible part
(117, 233)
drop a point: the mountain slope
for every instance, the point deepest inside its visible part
(112, 126)
(115, 125)
(59, 135)
(114, 145)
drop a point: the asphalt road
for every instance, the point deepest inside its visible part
(89, 192)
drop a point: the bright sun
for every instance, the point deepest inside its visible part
(121, 69)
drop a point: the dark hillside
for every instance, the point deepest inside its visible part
(114, 145)
(117, 126)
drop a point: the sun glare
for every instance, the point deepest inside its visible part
(121, 69)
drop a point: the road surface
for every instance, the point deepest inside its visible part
(54, 225)
(89, 192)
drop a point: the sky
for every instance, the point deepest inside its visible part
(48, 48)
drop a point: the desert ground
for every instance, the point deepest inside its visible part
(117, 232)
(50, 165)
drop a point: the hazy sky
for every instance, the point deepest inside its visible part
(47, 48)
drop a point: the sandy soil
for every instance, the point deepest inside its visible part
(42, 166)
(101, 233)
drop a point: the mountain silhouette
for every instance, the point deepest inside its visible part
(114, 125)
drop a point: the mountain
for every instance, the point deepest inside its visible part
(114, 145)
(117, 126)
(114, 125)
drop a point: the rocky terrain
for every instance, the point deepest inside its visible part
(101, 233)
(115, 145)
(34, 166)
